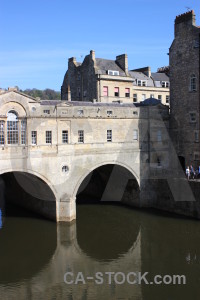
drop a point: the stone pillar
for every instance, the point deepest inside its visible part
(66, 209)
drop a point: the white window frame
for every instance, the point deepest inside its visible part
(12, 128)
(34, 137)
(65, 137)
(81, 136)
(141, 82)
(135, 98)
(112, 72)
(109, 135)
(49, 137)
(135, 134)
(23, 132)
(2, 132)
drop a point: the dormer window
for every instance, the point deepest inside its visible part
(111, 72)
(165, 84)
(141, 82)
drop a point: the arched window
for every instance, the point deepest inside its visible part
(12, 128)
(193, 83)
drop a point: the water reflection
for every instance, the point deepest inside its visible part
(34, 257)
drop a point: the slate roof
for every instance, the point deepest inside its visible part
(141, 76)
(107, 64)
(159, 77)
(150, 102)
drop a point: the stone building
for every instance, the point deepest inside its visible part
(59, 143)
(110, 81)
(184, 89)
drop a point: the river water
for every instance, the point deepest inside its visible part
(36, 255)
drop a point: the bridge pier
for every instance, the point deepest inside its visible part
(66, 209)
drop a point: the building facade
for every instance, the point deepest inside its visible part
(184, 89)
(62, 142)
(110, 81)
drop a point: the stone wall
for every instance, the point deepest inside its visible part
(184, 61)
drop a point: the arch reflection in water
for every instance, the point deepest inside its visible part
(69, 256)
(26, 246)
(108, 240)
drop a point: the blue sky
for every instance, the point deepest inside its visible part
(38, 37)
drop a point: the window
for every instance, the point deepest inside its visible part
(160, 97)
(110, 72)
(196, 136)
(196, 156)
(34, 137)
(80, 112)
(78, 76)
(65, 136)
(2, 132)
(84, 93)
(109, 113)
(109, 135)
(48, 137)
(116, 92)
(23, 132)
(143, 97)
(46, 111)
(80, 136)
(141, 83)
(158, 161)
(12, 128)
(78, 92)
(105, 91)
(193, 83)
(135, 134)
(151, 95)
(65, 169)
(127, 92)
(165, 84)
(134, 97)
(192, 117)
(135, 112)
(159, 136)
(167, 99)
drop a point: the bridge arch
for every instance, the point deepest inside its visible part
(124, 167)
(35, 192)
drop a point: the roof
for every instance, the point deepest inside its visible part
(85, 103)
(108, 64)
(159, 77)
(150, 102)
(141, 76)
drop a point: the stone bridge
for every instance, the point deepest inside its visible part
(49, 149)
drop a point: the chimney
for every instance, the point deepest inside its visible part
(187, 18)
(92, 54)
(122, 61)
(68, 93)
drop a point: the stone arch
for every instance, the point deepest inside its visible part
(34, 192)
(31, 172)
(122, 164)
